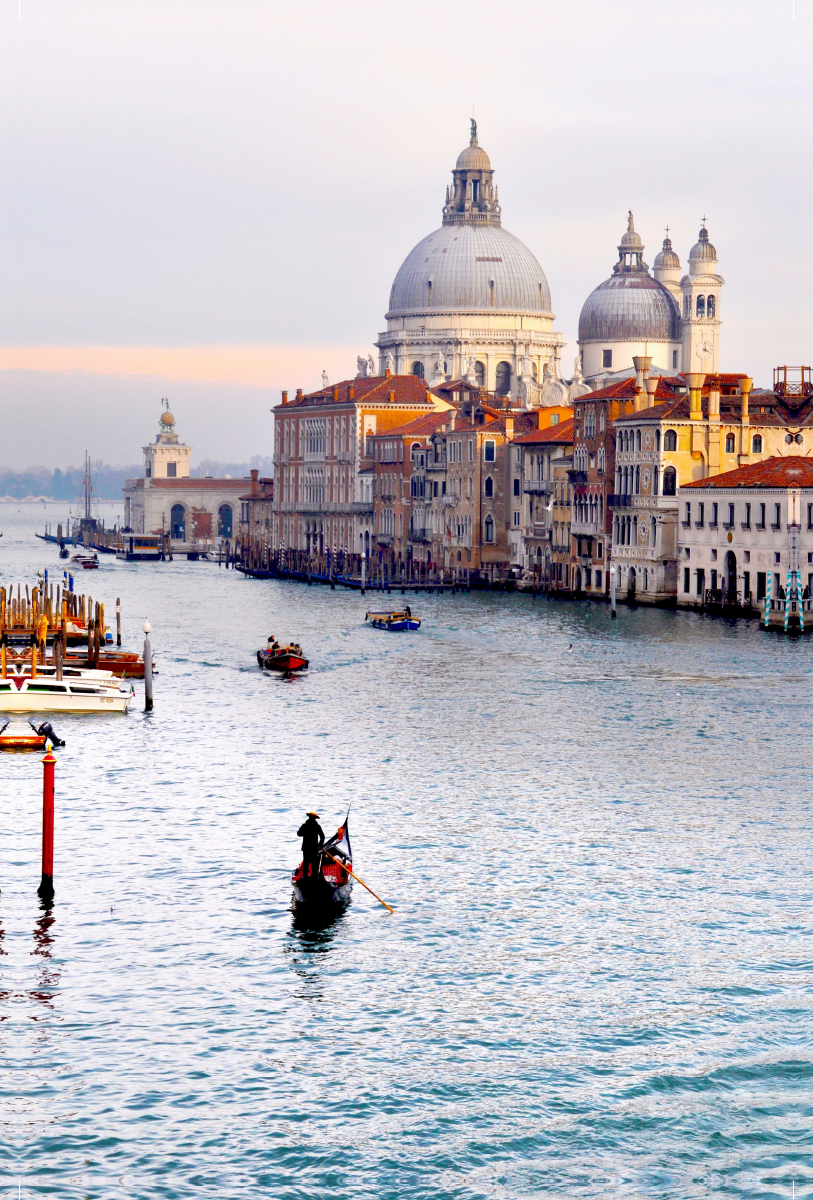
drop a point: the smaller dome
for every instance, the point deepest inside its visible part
(473, 158)
(631, 240)
(167, 419)
(703, 251)
(667, 259)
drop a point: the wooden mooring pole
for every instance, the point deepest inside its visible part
(46, 887)
(147, 668)
(118, 621)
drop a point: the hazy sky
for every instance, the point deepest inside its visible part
(221, 193)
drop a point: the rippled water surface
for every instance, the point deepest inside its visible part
(594, 834)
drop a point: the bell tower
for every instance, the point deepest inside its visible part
(700, 315)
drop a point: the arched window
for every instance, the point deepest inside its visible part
(701, 306)
(637, 481)
(637, 439)
(657, 439)
(224, 521)
(756, 444)
(177, 522)
(417, 369)
(710, 306)
(480, 374)
(729, 443)
(655, 475)
(503, 379)
(670, 482)
(488, 487)
(670, 441)
(489, 451)
(488, 529)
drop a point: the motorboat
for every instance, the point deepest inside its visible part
(79, 691)
(26, 735)
(331, 884)
(89, 562)
(285, 659)
(393, 622)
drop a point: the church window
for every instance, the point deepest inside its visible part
(488, 529)
(670, 441)
(417, 369)
(480, 374)
(756, 444)
(489, 451)
(674, 360)
(710, 306)
(670, 481)
(503, 378)
(488, 487)
(606, 358)
(701, 306)
(729, 443)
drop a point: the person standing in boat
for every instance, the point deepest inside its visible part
(313, 839)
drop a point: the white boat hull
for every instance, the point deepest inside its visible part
(72, 695)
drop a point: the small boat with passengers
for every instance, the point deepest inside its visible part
(89, 562)
(393, 621)
(331, 884)
(287, 660)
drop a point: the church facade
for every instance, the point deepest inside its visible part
(470, 300)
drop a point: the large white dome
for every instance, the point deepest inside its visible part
(470, 267)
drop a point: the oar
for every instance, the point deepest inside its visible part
(361, 881)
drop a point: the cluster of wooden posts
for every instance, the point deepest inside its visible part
(47, 615)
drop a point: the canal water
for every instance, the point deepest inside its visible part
(597, 978)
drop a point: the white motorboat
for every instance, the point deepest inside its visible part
(78, 691)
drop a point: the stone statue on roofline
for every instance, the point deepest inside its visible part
(471, 370)
(361, 364)
(390, 363)
(325, 380)
(370, 367)
(439, 369)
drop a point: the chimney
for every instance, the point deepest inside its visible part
(284, 397)
(714, 403)
(651, 388)
(509, 428)
(351, 392)
(392, 397)
(335, 395)
(695, 381)
(255, 475)
(745, 390)
(454, 414)
(299, 393)
(540, 418)
(642, 363)
(387, 373)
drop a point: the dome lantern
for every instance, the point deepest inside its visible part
(630, 251)
(473, 197)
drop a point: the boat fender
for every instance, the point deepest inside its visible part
(46, 729)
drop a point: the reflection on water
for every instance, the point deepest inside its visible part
(596, 979)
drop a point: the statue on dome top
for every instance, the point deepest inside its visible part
(473, 130)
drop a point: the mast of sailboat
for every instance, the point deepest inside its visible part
(88, 487)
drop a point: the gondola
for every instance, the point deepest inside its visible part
(393, 622)
(285, 659)
(332, 885)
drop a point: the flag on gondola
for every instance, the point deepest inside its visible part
(340, 842)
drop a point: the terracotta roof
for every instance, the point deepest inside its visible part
(190, 484)
(409, 389)
(791, 471)
(625, 389)
(561, 433)
(420, 427)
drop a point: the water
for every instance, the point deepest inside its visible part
(597, 977)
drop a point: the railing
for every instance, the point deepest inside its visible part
(619, 501)
(419, 535)
(577, 477)
(538, 487)
(584, 528)
(431, 465)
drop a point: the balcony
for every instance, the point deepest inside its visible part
(701, 524)
(431, 465)
(745, 524)
(343, 456)
(538, 487)
(730, 525)
(450, 501)
(619, 501)
(577, 477)
(585, 528)
(360, 506)
(419, 535)
(384, 539)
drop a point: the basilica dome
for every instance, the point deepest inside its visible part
(466, 267)
(630, 306)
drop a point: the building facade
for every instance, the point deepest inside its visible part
(546, 463)
(198, 514)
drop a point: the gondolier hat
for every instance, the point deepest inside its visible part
(311, 814)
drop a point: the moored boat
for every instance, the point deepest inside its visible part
(25, 735)
(78, 691)
(393, 621)
(332, 884)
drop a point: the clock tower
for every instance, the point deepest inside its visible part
(700, 315)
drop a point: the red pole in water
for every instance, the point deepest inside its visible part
(46, 888)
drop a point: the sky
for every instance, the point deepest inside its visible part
(208, 201)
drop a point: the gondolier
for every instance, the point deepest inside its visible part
(313, 839)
